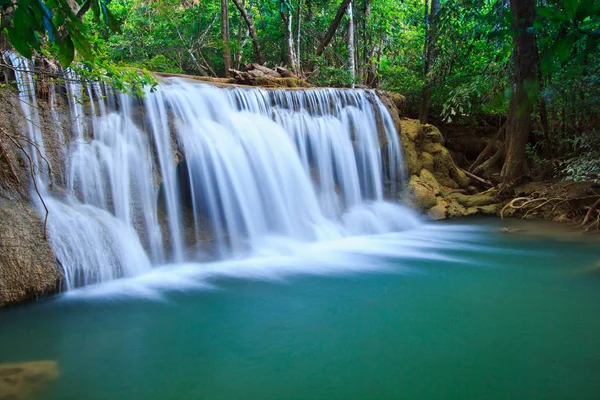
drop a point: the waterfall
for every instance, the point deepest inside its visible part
(194, 172)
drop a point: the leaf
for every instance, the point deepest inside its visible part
(19, 43)
(66, 52)
(571, 7)
(113, 23)
(552, 14)
(563, 47)
(586, 9)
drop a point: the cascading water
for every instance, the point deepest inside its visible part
(149, 182)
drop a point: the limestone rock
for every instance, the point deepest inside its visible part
(23, 380)
(490, 209)
(472, 200)
(429, 180)
(439, 210)
(455, 209)
(424, 196)
(28, 267)
(426, 161)
(432, 134)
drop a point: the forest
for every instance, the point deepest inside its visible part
(529, 68)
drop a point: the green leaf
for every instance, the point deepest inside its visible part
(563, 47)
(586, 9)
(571, 7)
(552, 14)
(19, 43)
(66, 52)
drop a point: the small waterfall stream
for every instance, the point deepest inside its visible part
(192, 172)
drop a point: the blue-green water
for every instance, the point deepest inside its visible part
(453, 313)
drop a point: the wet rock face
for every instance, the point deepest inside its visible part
(24, 380)
(28, 267)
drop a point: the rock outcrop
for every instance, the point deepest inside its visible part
(259, 75)
(23, 380)
(28, 267)
(436, 186)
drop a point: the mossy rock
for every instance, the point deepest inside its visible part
(432, 134)
(398, 100)
(438, 211)
(434, 148)
(428, 179)
(423, 194)
(490, 209)
(455, 209)
(472, 200)
(426, 161)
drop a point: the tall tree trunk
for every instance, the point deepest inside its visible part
(520, 123)
(333, 27)
(253, 35)
(350, 44)
(242, 36)
(429, 57)
(225, 35)
(286, 16)
(369, 47)
(299, 66)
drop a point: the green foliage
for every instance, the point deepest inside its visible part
(31, 23)
(470, 72)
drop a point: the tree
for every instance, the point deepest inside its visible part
(253, 35)
(431, 24)
(351, 66)
(225, 35)
(285, 9)
(333, 27)
(524, 89)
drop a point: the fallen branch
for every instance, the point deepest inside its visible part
(473, 176)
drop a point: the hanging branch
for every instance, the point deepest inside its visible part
(333, 27)
(32, 173)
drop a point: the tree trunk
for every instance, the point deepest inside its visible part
(286, 16)
(351, 66)
(242, 36)
(253, 35)
(429, 57)
(520, 123)
(225, 35)
(333, 27)
(369, 46)
(298, 62)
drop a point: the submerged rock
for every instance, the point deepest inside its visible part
(23, 380)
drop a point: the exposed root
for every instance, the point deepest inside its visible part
(531, 204)
(588, 215)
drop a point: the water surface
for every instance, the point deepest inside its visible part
(443, 312)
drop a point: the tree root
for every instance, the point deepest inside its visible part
(530, 204)
(590, 212)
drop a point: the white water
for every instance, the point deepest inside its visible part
(148, 182)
